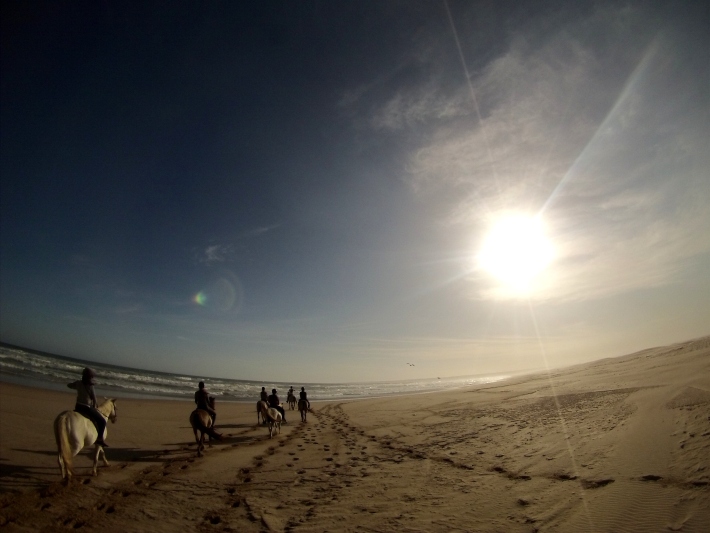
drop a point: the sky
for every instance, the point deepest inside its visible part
(327, 191)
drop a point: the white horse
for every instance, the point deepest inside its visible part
(73, 431)
(272, 417)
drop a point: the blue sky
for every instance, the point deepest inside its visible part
(308, 191)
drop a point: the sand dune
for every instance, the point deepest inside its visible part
(617, 445)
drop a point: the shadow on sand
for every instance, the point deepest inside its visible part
(17, 478)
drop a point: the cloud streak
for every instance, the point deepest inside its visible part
(228, 252)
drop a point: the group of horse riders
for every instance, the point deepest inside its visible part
(273, 399)
(86, 402)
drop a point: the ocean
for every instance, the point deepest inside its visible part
(47, 371)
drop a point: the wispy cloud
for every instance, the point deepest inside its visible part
(255, 232)
(595, 134)
(226, 252)
(216, 253)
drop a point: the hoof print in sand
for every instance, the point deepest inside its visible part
(564, 477)
(596, 483)
(213, 519)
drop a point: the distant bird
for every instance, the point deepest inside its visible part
(410, 364)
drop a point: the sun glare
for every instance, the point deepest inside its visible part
(515, 252)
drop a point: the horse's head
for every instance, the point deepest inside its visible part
(110, 409)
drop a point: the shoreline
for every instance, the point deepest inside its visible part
(615, 445)
(119, 391)
(124, 395)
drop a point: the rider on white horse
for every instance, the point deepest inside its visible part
(274, 402)
(86, 403)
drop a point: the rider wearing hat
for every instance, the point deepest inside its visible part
(276, 404)
(86, 403)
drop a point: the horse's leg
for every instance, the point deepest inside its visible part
(61, 465)
(200, 445)
(97, 451)
(103, 456)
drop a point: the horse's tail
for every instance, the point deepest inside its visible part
(273, 415)
(61, 435)
(197, 421)
(212, 433)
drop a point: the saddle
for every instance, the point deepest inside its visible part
(84, 411)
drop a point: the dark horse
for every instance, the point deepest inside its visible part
(202, 423)
(303, 408)
(291, 400)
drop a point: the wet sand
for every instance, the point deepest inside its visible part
(620, 445)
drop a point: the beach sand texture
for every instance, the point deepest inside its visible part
(618, 445)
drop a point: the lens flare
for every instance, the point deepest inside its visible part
(222, 294)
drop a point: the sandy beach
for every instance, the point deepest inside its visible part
(619, 445)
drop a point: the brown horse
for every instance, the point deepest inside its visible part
(303, 409)
(291, 400)
(202, 423)
(261, 407)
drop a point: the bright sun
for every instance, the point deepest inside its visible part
(516, 251)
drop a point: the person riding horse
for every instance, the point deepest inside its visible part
(303, 395)
(86, 403)
(291, 398)
(274, 402)
(202, 399)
